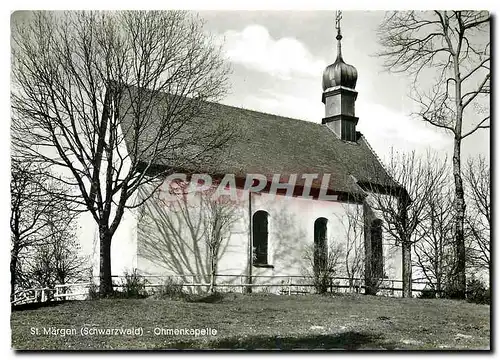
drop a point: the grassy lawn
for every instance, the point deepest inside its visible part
(259, 321)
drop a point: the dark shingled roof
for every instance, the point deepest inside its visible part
(269, 144)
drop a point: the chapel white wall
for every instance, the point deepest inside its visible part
(291, 231)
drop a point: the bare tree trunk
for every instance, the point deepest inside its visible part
(13, 266)
(106, 282)
(407, 273)
(100, 144)
(212, 274)
(349, 274)
(248, 289)
(459, 274)
(405, 247)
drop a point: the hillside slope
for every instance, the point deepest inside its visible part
(262, 321)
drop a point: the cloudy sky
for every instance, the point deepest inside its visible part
(278, 58)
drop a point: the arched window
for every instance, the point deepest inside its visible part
(320, 244)
(376, 245)
(260, 237)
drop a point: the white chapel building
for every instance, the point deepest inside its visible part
(271, 236)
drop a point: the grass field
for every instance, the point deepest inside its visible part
(258, 321)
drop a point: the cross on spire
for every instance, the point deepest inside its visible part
(338, 17)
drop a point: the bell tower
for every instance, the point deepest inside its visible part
(339, 94)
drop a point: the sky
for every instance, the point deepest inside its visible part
(278, 58)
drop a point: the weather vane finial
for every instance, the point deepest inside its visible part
(338, 17)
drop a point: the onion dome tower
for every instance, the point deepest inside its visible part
(339, 94)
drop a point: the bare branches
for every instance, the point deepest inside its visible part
(56, 262)
(40, 213)
(483, 88)
(322, 264)
(455, 46)
(79, 94)
(434, 250)
(478, 219)
(38, 206)
(478, 126)
(110, 96)
(451, 44)
(410, 41)
(402, 208)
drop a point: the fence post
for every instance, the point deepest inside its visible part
(289, 286)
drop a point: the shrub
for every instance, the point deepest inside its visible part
(322, 265)
(134, 286)
(283, 289)
(170, 289)
(451, 290)
(265, 290)
(93, 291)
(477, 292)
(427, 293)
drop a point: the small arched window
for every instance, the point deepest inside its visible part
(376, 245)
(260, 237)
(320, 244)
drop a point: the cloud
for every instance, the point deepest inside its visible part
(385, 128)
(254, 48)
(288, 105)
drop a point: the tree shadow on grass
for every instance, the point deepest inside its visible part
(343, 341)
(38, 305)
(207, 298)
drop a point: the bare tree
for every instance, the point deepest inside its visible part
(434, 250)
(452, 50)
(68, 264)
(478, 216)
(106, 97)
(55, 262)
(38, 213)
(322, 264)
(402, 208)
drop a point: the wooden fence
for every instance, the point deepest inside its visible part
(65, 292)
(284, 285)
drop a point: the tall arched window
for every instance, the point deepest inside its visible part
(260, 237)
(376, 245)
(320, 244)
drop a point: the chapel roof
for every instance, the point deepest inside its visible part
(270, 144)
